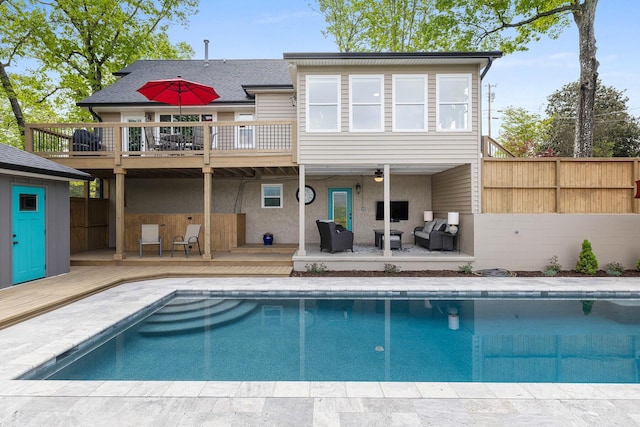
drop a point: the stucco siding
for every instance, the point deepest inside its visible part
(58, 228)
(5, 238)
(528, 241)
(388, 146)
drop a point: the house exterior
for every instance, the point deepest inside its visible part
(326, 123)
(34, 216)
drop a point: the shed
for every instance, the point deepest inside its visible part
(34, 216)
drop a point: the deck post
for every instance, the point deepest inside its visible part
(301, 223)
(387, 211)
(207, 171)
(120, 174)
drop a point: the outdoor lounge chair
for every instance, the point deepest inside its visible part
(188, 240)
(334, 237)
(150, 236)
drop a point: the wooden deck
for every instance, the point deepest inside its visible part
(95, 271)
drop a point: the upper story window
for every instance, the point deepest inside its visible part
(453, 106)
(323, 103)
(366, 103)
(409, 103)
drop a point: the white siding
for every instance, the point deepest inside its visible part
(390, 147)
(274, 106)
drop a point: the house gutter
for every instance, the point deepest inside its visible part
(486, 69)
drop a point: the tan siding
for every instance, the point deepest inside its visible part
(396, 147)
(274, 106)
(452, 190)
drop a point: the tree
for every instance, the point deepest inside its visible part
(616, 132)
(77, 45)
(508, 25)
(522, 132)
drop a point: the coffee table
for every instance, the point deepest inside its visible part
(379, 241)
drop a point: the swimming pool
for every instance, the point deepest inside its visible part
(369, 339)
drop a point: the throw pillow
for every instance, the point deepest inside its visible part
(428, 226)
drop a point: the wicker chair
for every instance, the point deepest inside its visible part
(334, 237)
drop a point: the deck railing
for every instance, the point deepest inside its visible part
(158, 139)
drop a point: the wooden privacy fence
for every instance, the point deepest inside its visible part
(89, 224)
(227, 229)
(559, 185)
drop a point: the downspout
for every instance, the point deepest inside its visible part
(95, 115)
(486, 69)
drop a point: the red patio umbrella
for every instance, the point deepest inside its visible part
(179, 92)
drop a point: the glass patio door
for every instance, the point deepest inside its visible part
(340, 206)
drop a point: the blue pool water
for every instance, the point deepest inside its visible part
(371, 340)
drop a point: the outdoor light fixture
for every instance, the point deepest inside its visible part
(428, 216)
(453, 218)
(379, 176)
(358, 188)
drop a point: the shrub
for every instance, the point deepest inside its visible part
(391, 269)
(466, 269)
(638, 265)
(315, 268)
(587, 262)
(553, 268)
(614, 269)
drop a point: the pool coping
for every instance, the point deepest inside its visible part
(35, 341)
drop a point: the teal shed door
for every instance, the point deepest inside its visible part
(28, 257)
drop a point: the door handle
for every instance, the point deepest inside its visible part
(15, 243)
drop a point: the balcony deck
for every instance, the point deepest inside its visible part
(172, 149)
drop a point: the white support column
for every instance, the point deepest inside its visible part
(387, 212)
(301, 210)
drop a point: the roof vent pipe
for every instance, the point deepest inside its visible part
(206, 53)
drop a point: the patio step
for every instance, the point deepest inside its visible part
(181, 322)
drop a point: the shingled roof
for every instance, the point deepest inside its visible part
(227, 77)
(14, 159)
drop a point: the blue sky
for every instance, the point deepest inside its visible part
(266, 29)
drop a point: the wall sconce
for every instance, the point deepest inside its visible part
(358, 188)
(379, 176)
(428, 216)
(453, 219)
(294, 100)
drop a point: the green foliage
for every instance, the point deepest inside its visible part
(614, 269)
(315, 268)
(72, 48)
(391, 269)
(587, 306)
(616, 133)
(466, 269)
(553, 268)
(522, 132)
(587, 262)
(638, 265)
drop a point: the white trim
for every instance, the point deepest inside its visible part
(379, 77)
(338, 84)
(425, 102)
(11, 172)
(262, 196)
(469, 102)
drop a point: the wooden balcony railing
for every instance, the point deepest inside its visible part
(160, 139)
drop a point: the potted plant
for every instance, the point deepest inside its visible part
(267, 238)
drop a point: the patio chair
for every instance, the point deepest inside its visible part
(188, 240)
(150, 236)
(334, 237)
